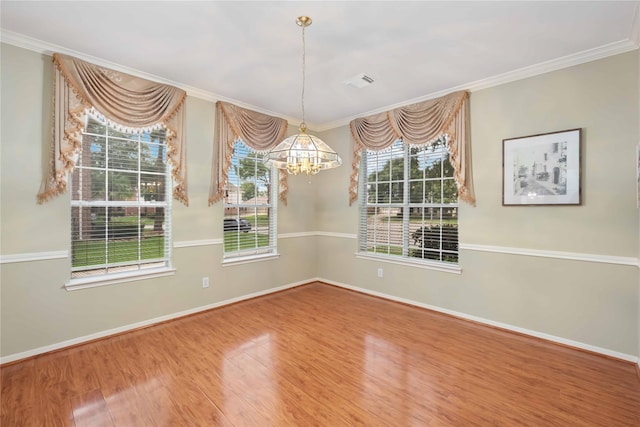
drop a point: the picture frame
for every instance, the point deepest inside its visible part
(542, 169)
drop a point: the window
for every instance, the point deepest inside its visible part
(121, 203)
(249, 206)
(409, 203)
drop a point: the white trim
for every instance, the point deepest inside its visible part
(33, 256)
(144, 323)
(296, 235)
(109, 332)
(116, 278)
(338, 235)
(194, 243)
(506, 326)
(248, 259)
(427, 265)
(600, 52)
(635, 27)
(317, 234)
(574, 256)
(588, 55)
(46, 48)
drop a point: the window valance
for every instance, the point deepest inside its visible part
(128, 103)
(419, 124)
(258, 131)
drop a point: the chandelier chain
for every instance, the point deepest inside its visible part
(303, 153)
(304, 66)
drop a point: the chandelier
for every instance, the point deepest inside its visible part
(303, 153)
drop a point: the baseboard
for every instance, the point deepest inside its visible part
(139, 325)
(146, 323)
(558, 340)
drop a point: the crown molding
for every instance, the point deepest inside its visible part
(45, 48)
(635, 26)
(588, 55)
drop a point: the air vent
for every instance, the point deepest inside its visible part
(359, 81)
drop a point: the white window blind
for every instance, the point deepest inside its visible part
(250, 205)
(409, 203)
(121, 202)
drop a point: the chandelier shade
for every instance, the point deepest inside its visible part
(303, 153)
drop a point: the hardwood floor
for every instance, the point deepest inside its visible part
(318, 355)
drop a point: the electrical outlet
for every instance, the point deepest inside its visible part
(380, 272)
(205, 282)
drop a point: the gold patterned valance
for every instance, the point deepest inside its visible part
(418, 124)
(258, 131)
(129, 103)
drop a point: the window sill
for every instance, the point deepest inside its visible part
(248, 259)
(428, 265)
(112, 279)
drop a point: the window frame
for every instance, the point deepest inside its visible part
(255, 253)
(405, 206)
(128, 270)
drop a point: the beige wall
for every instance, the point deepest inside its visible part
(35, 309)
(588, 302)
(592, 303)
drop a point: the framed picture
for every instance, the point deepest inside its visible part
(542, 169)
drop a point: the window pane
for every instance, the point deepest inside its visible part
(94, 127)
(124, 234)
(259, 220)
(395, 228)
(88, 184)
(383, 193)
(152, 157)
(432, 191)
(118, 213)
(123, 154)
(450, 191)
(93, 152)
(413, 224)
(116, 235)
(371, 193)
(157, 136)
(153, 219)
(152, 187)
(248, 192)
(416, 192)
(447, 167)
(249, 205)
(88, 236)
(117, 134)
(397, 192)
(122, 186)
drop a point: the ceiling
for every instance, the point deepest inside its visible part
(250, 53)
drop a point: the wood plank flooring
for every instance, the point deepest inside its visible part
(318, 355)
